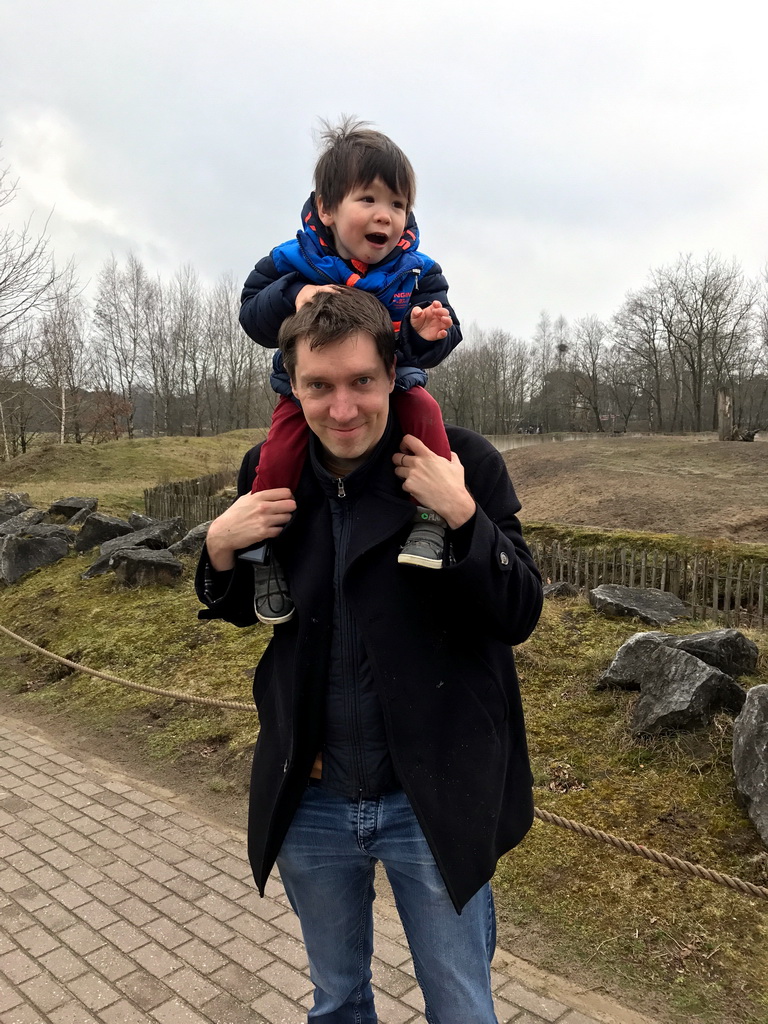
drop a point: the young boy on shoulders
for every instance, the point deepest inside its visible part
(358, 231)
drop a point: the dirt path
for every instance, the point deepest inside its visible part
(665, 485)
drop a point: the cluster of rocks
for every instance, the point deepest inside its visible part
(139, 550)
(683, 681)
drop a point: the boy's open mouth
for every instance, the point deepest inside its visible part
(377, 238)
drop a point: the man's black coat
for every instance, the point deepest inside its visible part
(439, 646)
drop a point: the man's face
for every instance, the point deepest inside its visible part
(368, 222)
(344, 391)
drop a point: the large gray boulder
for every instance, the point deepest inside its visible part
(21, 522)
(750, 757)
(725, 649)
(141, 567)
(560, 589)
(157, 537)
(69, 507)
(98, 528)
(192, 542)
(139, 521)
(678, 691)
(161, 535)
(656, 607)
(13, 502)
(20, 555)
(629, 666)
(46, 530)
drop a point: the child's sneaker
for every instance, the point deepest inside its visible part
(271, 601)
(426, 542)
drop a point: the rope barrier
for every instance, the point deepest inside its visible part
(666, 860)
(231, 705)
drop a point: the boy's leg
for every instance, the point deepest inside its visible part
(419, 414)
(281, 460)
(329, 880)
(451, 952)
(282, 454)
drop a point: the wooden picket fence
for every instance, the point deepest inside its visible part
(731, 591)
(195, 501)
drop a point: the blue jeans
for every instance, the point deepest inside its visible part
(327, 866)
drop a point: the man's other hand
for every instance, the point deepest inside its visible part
(251, 519)
(433, 481)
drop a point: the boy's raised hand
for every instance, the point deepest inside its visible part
(431, 323)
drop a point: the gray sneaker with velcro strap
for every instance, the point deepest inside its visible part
(426, 542)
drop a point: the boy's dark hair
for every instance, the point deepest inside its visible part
(334, 316)
(353, 155)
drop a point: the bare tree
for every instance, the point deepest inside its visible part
(120, 322)
(27, 269)
(63, 356)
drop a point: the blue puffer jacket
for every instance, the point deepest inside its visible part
(406, 278)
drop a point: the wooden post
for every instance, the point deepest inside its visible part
(724, 414)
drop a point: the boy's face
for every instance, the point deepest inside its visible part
(368, 222)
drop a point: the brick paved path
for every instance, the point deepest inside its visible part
(119, 906)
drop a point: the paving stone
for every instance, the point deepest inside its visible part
(110, 963)
(123, 874)
(574, 1017)
(73, 842)
(32, 898)
(44, 993)
(22, 1014)
(109, 892)
(392, 980)
(17, 967)
(125, 936)
(72, 1012)
(203, 957)
(123, 1013)
(253, 928)
(95, 914)
(285, 979)
(548, 1009)
(36, 941)
(210, 930)
(60, 859)
(198, 990)
(156, 960)
(136, 911)
(93, 991)
(177, 1012)
(9, 997)
(225, 1009)
(276, 1009)
(168, 934)
(245, 985)
(188, 888)
(288, 949)
(177, 909)
(55, 918)
(144, 989)
(63, 964)
(81, 938)
(71, 895)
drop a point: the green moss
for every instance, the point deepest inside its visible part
(670, 543)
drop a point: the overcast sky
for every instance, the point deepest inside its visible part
(562, 148)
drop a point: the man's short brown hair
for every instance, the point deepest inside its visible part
(334, 316)
(353, 156)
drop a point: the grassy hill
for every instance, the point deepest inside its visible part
(118, 472)
(681, 485)
(684, 947)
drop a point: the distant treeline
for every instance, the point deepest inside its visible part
(150, 356)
